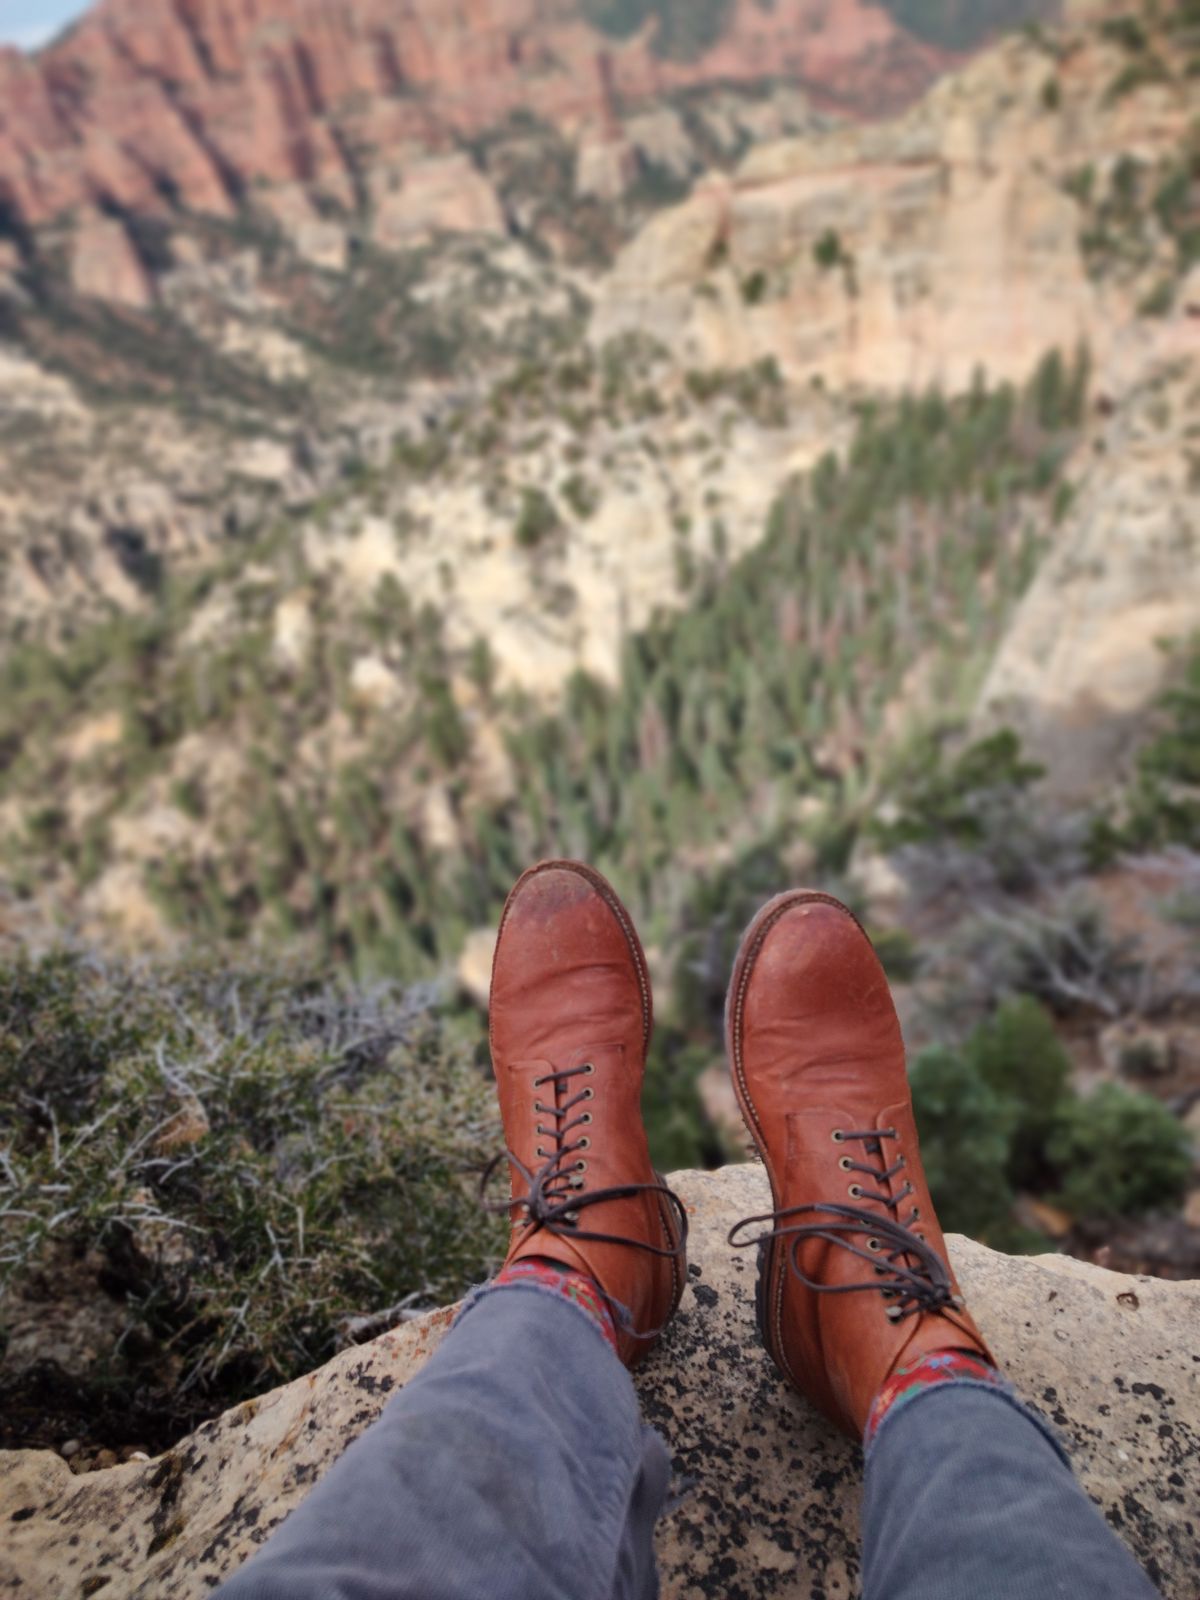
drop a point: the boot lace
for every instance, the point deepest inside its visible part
(557, 1191)
(907, 1271)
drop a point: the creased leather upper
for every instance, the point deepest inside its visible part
(569, 987)
(815, 1048)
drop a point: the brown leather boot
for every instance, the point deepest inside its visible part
(853, 1273)
(570, 1020)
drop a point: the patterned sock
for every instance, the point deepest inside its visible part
(939, 1366)
(564, 1283)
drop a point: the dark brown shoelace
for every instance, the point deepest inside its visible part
(910, 1274)
(557, 1191)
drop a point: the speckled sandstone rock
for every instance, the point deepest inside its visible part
(769, 1492)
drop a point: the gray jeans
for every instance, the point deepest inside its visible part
(515, 1466)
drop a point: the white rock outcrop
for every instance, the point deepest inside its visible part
(1084, 656)
(910, 252)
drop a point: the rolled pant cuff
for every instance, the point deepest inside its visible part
(1004, 1393)
(486, 1290)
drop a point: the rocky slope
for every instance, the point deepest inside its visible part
(771, 1503)
(1086, 652)
(1023, 204)
(1038, 197)
(297, 104)
(287, 465)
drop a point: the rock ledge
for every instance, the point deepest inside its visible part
(1113, 1362)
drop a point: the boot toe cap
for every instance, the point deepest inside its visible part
(813, 960)
(568, 967)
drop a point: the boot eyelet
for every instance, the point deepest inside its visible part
(880, 1270)
(539, 1129)
(892, 1313)
(838, 1136)
(845, 1162)
(585, 1143)
(541, 1152)
(586, 1117)
(855, 1191)
(581, 1166)
(589, 1067)
(874, 1244)
(916, 1216)
(589, 1093)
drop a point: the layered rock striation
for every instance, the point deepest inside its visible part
(968, 233)
(196, 101)
(770, 1497)
(1085, 654)
(203, 106)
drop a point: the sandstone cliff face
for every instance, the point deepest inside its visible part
(1084, 655)
(771, 1503)
(205, 106)
(917, 251)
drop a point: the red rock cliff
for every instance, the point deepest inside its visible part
(149, 104)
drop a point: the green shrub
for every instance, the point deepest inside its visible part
(445, 729)
(829, 252)
(536, 520)
(256, 1157)
(966, 1130)
(1158, 300)
(481, 665)
(581, 495)
(1128, 31)
(1081, 183)
(999, 1114)
(1017, 1053)
(1137, 75)
(678, 1131)
(1162, 805)
(754, 288)
(1118, 1154)
(188, 795)
(959, 800)
(898, 951)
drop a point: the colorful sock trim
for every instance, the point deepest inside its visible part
(939, 1366)
(576, 1288)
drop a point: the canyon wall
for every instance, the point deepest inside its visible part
(952, 239)
(196, 103)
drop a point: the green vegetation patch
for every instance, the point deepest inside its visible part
(1142, 215)
(769, 691)
(999, 1114)
(1161, 806)
(250, 1160)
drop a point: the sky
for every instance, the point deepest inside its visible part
(31, 22)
